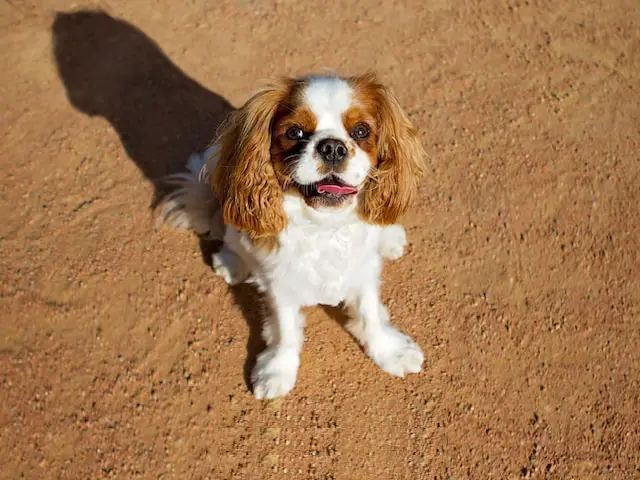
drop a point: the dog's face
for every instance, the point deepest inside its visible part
(335, 142)
(323, 142)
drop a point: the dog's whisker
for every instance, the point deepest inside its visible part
(293, 156)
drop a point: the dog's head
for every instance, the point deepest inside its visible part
(334, 142)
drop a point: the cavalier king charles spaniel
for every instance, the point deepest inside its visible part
(304, 186)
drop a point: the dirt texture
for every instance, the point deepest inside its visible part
(123, 356)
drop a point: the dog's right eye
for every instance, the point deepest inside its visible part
(295, 133)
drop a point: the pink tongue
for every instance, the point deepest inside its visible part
(336, 189)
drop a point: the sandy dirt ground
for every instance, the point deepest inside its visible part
(121, 355)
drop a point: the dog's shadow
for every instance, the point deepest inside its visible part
(253, 309)
(111, 69)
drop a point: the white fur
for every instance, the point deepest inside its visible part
(326, 257)
(190, 206)
(328, 96)
(393, 241)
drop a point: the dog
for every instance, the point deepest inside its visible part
(305, 185)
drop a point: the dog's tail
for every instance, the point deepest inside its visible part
(191, 204)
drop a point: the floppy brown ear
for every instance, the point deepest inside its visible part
(244, 178)
(394, 184)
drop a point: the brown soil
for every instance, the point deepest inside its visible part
(121, 355)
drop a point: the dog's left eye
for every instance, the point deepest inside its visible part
(360, 131)
(295, 133)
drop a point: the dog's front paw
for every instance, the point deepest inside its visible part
(395, 353)
(275, 373)
(392, 242)
(229, 266)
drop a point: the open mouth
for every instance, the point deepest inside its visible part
(329, 187)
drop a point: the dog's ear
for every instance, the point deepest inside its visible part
(244, 179)
(393, 185)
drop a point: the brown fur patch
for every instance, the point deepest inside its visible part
(245, 180)
(400, 155)
(363, 112)
(291, 113)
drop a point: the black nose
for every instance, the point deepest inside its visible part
(332, 150)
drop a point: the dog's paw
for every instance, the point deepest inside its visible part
(274, 374)
(395, 353)
(392, 242)
(229, 266)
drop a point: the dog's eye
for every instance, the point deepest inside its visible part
(295, 133)
(360, 131)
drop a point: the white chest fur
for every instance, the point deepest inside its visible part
(320, 259)
(322, 265)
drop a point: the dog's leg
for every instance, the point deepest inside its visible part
(390, 349)
(228, 264)
(276, 368)
(393, 239)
